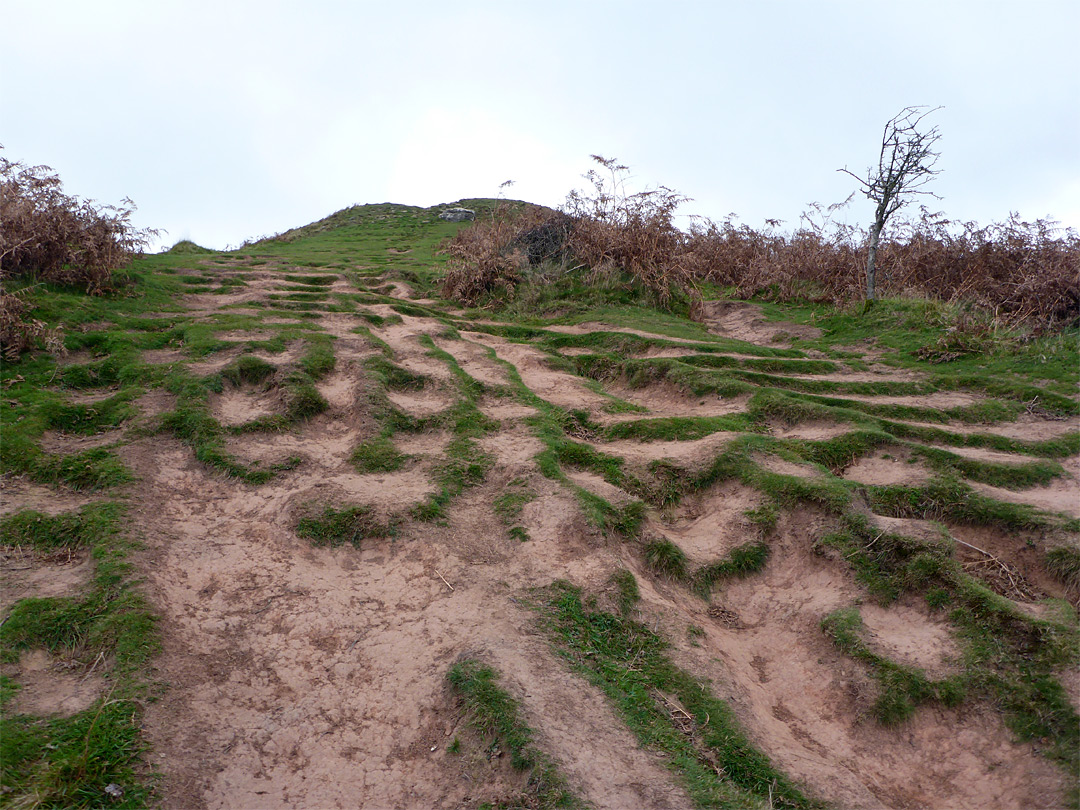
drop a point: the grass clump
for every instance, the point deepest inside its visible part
(87, 419)
(714, 760)
(91, 470)
(335, 527)
(510, 505)
(742, 561)
(665, 558)
(377, 455)
(627, 593)
(495, 714)
(91, 525)
(318, 360)
(248, 368)
(901, 688)
(1064, 563)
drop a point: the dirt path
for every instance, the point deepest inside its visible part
(310, 677)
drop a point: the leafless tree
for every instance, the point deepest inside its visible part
(905, 165)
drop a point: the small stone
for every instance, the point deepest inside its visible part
(114, 790)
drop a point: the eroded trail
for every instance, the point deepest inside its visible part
(310, 671)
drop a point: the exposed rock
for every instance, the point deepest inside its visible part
(458, 214)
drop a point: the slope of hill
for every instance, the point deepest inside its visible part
(321, 539)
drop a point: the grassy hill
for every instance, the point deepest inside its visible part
(283, 526)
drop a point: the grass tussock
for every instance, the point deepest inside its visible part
(496, 714)
(703, 743)
(335, 527)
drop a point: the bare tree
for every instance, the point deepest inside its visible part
(905, 165)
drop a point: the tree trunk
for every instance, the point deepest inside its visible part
(871, 271)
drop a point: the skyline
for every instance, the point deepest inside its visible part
(231, 120)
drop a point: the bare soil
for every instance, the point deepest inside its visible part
(313, 677)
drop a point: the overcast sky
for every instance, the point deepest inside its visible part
(229, 119)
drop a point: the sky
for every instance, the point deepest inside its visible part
(229, 120)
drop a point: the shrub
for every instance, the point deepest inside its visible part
(1016, 271)
(18, 332)
(1019, 271)
(619, 238)
(51, 236)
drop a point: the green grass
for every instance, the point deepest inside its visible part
(741, 561)
(510, 505)
(248, 368)
(88, 419)
(627, 593)
(627, 661)
(901, 688)
(92, 525)
(496, 716)
(334, 527)
(378, 455)
(665, 558)
(68, 761)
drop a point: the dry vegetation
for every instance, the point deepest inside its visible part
(1015, 271)
(49, 236)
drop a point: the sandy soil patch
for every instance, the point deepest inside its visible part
(595, 484)
(505, 408)
(299, 664)
(431, 445)
(745, 322)
(782, 466)
(54, 441)
(236, 406)
(341, 387)
(25, 572)
(1026, 428)
(475, 361)
(52, 687)
(1061, 495)
(692, 454)
(809, 431)
(806, 704)
(906, 632)
(164, 356)
(879, 469)
(514, 449)
(557, 387)
(18, 493)
(708, 525)
(663, 400)
(91, 396)
(425, 402)
(940, 400)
